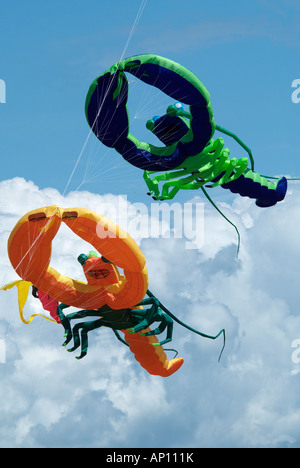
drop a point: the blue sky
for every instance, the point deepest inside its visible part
(247, 55)
(244, 52)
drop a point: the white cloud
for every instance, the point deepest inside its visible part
(249, 399)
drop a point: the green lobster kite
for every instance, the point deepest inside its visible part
(190, 158)
(211, 166)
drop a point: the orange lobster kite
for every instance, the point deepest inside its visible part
(116, 300)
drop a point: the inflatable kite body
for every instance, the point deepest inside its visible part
(190, 155)
(114, 300)
(212, 166)
(29, 250)
(107, 113)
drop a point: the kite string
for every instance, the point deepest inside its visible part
(134, 26)
(77, 162)
(137, 19)
(118, 164)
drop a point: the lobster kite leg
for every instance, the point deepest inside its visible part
(189, 183)
(65, 320)
(118, 336)
(154, 314)
(166, 322)
(150, 315)
(85, 328)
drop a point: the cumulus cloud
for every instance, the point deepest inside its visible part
(249, 399)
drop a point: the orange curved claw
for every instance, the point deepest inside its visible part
(29, 250)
